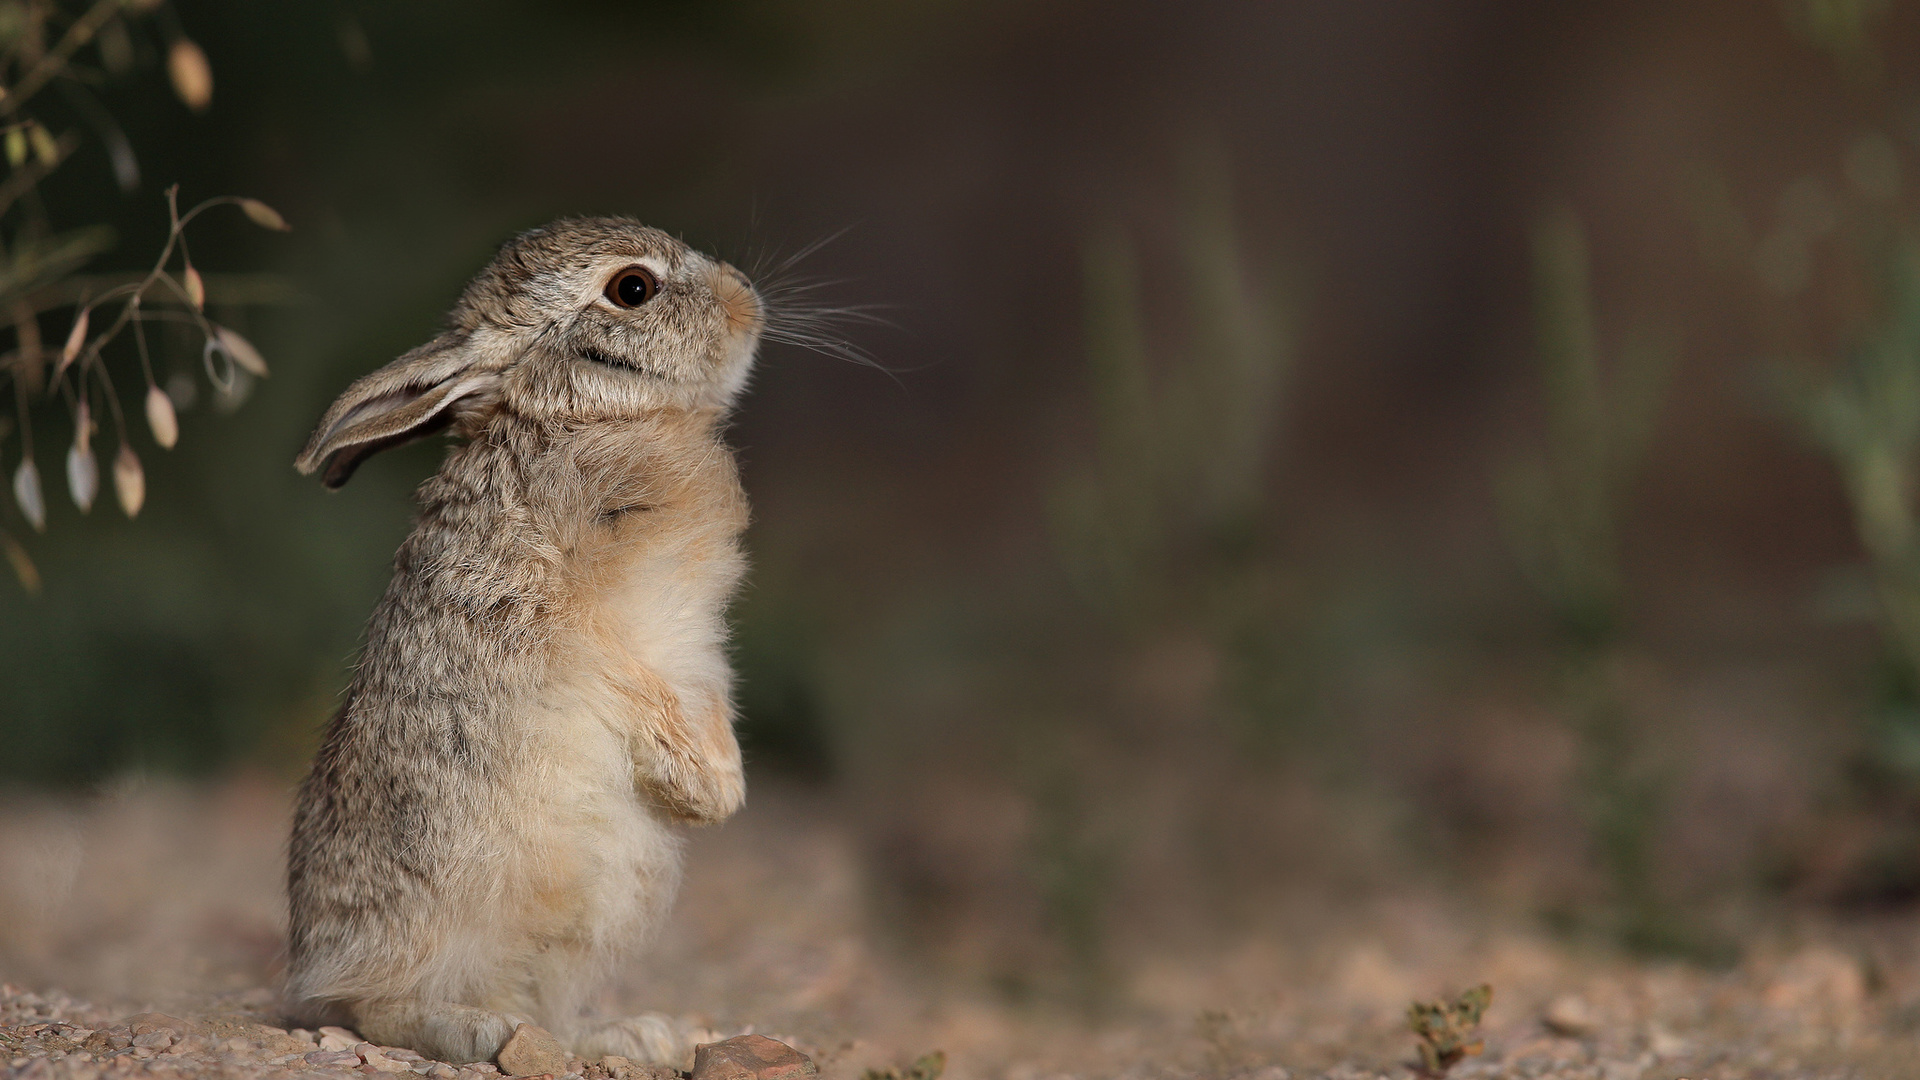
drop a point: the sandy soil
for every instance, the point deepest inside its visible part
(158, 897)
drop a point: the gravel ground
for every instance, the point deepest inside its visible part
(140, 933)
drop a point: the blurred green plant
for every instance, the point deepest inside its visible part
(1860, 406)
(1449, 1030)
(1562, 510)
(1165, 536)
(1179, 476)
(1843, 28)
(41, 49)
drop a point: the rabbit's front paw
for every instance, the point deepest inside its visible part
(704, 794)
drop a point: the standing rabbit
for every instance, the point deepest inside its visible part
(544, 694)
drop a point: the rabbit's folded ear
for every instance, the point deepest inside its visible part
(413, 397)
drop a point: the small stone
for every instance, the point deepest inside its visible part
(1571, 1016)
(333, 1038)
(332, 1057)
(401, 1053)
(532, 1051)
(614, 1061)
(1665, 1044)
(751, 1057)
(377, 1060)
(147, 1022)
(154, 1039)
(471, 1073)
(440, 1070)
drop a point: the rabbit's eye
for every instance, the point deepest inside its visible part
(632, 287)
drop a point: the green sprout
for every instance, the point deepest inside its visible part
(1448, 1030)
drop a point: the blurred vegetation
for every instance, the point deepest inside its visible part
(1860, 407)
(1564, 513)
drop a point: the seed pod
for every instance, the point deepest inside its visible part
(241, 351)
(192, 76)
(264, 216)
(83, 476)
(129, 482)
(83, 472)
(196, 289)
(160, 418)
(26, 492)
(76, 337)
(44, 148)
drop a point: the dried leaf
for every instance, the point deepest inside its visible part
(76, 337)
(44, 147)
(192, 76)
(26, 492)
(241, 351)
(129, 482)
(264, 216)
(196, 289)
(22, 566)
(17, 147)
(160, 418)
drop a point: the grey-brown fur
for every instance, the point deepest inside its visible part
(543, 696)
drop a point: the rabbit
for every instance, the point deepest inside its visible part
(543, 697)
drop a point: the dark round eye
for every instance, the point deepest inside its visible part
(632, 287)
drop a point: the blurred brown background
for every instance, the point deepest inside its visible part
(1167, 568)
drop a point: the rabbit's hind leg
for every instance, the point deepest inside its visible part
(649, 1037)
(441, 1030)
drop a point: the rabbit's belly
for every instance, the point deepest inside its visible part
(591, 866)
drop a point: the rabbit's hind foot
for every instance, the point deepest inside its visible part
(441, 1030)
(649, 1037)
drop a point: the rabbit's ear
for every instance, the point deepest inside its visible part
(409, 399)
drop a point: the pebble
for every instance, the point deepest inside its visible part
(378, 1060)
(751, 1057)
(157, 1040)
(1570, 1015)
(333, 1038)
(332, 1057)
(1665, 1044)
(532, 1051)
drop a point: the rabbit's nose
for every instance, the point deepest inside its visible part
(736, 295)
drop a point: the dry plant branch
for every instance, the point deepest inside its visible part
(39, 266)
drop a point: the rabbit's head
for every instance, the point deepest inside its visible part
(582, 320)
